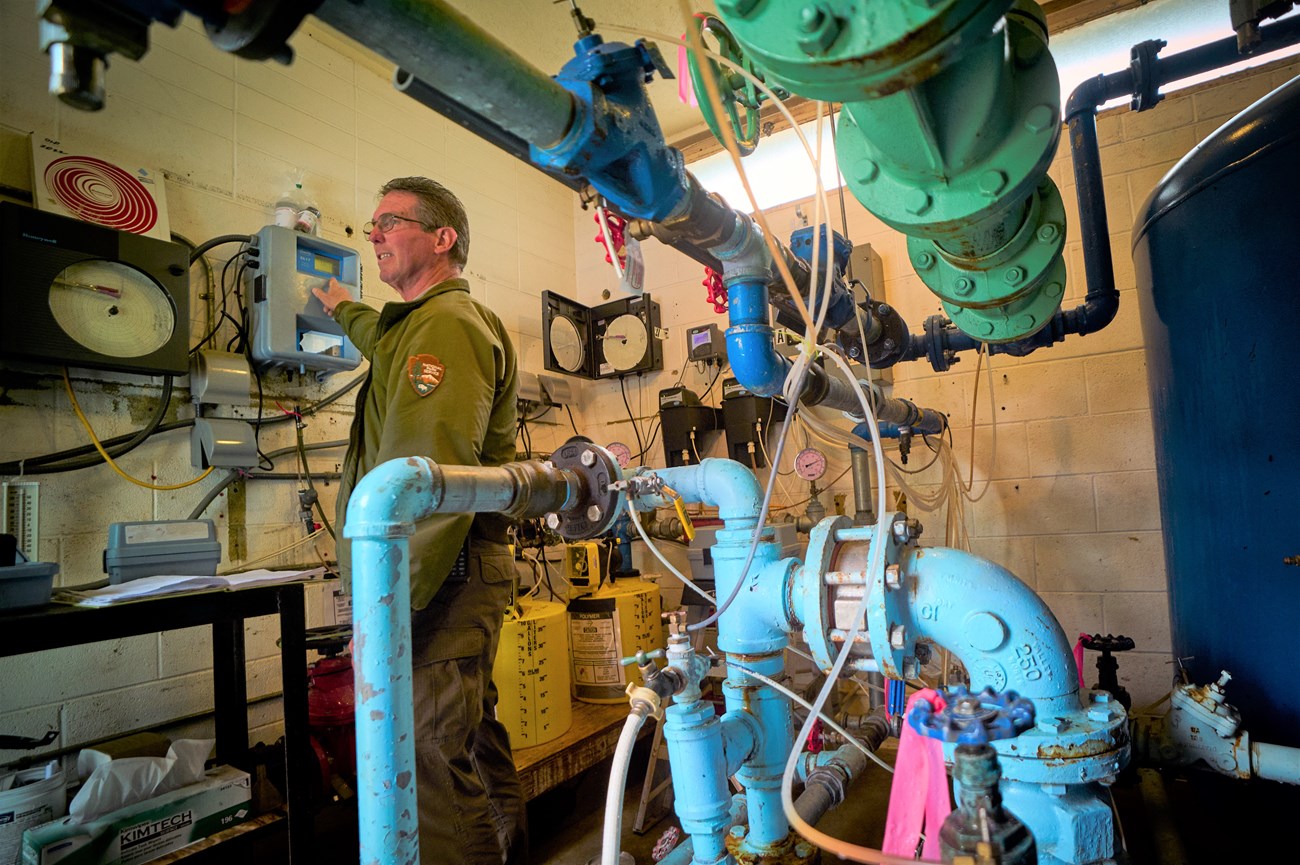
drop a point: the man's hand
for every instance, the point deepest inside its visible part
(332, 295)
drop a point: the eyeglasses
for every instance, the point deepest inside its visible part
(387, 222)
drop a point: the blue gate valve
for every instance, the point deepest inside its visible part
(973, 719)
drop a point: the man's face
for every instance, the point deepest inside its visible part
(406, 252)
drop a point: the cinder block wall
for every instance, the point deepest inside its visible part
(1069, 501)
(225, 133)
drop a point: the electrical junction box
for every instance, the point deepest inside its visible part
(148, 549)
(705, 343)
(289, 324)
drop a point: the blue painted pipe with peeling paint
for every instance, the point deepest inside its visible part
(381, 517)
(382, 512)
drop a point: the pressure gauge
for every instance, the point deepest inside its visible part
(810, 464)
(620, 452)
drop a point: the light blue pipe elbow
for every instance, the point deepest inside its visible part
(725, 484)
(1002, 631)
(381, 516)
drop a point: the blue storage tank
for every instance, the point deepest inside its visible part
(1215, 248)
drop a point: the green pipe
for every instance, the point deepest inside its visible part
(951, 116)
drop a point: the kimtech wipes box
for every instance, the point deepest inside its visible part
(145, 830)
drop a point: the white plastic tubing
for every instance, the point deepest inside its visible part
(612, 835)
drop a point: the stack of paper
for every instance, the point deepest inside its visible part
(149, 587)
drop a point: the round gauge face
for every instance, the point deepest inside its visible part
(112, 309)
(810, 464)
(566, 343)
(624, 342)
(621, 452)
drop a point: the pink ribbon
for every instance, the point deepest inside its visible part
(1078, 658)
(685, 92)
(918, 797)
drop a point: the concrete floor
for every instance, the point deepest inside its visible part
(1189, 817)
(566, 823)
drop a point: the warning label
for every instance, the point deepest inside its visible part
(595, 643)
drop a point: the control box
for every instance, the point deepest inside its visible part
(150, 548)
(705, 343)
(289, 326)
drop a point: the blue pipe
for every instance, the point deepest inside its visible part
(761, 773)
(725, 484)
(752, 630)
(381, 517)
(1002, 631)
(696, 752)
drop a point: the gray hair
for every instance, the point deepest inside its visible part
(438, 207)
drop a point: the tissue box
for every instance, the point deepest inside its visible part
(145, 830)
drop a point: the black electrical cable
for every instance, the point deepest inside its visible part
(716, 375)
(225, 293)
(209, 276)
(86, 456)
(635, 429)
(572, 423)
(257, 424)
(39, 464)
(235, 475)
(217, 241)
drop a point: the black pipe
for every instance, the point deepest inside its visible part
(942, 341)
(431, 97)
(828, 784)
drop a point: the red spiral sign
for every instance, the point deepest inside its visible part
(99, 191)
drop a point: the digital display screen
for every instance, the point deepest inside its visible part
(325, 264)
(699, 338)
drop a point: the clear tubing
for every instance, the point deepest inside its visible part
(840, 848)
(636, 521)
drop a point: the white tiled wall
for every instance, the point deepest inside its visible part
(226, 133)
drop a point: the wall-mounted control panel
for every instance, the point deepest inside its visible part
(289, 326)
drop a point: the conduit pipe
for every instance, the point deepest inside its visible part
(445, 49)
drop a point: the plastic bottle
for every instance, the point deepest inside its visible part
(289, 204)
(308, 218)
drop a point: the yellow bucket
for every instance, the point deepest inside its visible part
(532, 674)
(606, 626)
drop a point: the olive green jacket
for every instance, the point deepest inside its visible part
(442, 384)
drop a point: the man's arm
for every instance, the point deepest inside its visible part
(358, 321)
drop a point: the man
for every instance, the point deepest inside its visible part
(442, 384)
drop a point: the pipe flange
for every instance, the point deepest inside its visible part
(595, 507)
(888, 348)
(810, 597)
